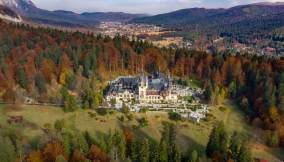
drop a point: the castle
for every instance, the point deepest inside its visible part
(156, 88)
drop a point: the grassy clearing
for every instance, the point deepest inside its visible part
(189, 135)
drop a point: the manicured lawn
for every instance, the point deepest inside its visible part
(189, 134)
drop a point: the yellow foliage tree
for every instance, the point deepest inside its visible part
(273, 113)
(35, 156)
(65, 72)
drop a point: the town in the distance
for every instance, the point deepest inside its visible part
(168, 37)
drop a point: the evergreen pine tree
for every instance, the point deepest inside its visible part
(176, 155)
(193, 156)
(213, 142)
(22, 78)
(144, 151)
(119, 144)
(163, 152)
(235, 145)
(135, 150)
(274, 139)
(233, 89)
(218, 140)
(67, 143)
(7, 151)
(70, 103)
(245, 154)
(154, 151)
(40, 83)
(79, 142)
(208, 91)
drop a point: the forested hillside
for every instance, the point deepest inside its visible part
(71, 67)
(246, 24)
(36, 58)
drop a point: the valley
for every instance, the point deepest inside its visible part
(210, 30)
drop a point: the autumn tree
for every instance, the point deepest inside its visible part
(77, 156)
(35, 156)
(96, 154)
(273, 113)
(52, 150)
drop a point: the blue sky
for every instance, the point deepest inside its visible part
(138, 6)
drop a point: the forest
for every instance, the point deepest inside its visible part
(71, 68)
(245, 24)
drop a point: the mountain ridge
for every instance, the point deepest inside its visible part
(208, 19)
(9, 15)
(31, 13)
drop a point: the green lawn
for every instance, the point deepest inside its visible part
(189, 135)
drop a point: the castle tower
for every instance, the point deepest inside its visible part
(142, 88)
(169, 80)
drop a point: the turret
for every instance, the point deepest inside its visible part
(143, 87)
(169, 80)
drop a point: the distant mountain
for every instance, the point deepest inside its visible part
(183, 16)
(12, 3)
(270, 3)
(30, 13)
(8, 14)
(111, 16)
(208, 19)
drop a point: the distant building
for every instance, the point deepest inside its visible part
(197, 115)
(156, 88)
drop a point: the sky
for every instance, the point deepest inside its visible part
(138, 6)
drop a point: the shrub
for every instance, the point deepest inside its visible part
(130, 117)
(112, 102)
(70, 103)
(59, 125)
(92, 115)
(143, 110)
(102, 111)
(125, 108)
(223, 109)
(121, 118)
(174, 116)
(135, 127)
(272, 139)
(143, 122)
(112, 112)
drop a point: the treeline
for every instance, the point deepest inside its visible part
(60, 144)
(40, 62)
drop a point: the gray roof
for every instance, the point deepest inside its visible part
(125, 84)
(157, 82)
